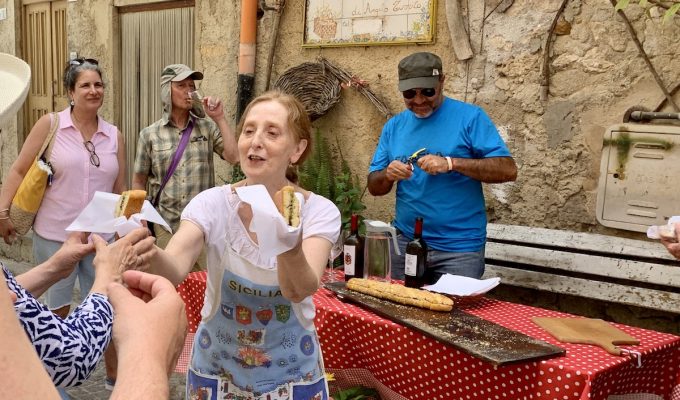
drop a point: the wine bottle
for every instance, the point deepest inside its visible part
(353, 251)
(416, 258)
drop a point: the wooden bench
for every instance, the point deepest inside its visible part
(607, 268)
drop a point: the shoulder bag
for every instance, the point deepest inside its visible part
(29, 195)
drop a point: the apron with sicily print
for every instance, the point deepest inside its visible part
(254, 344)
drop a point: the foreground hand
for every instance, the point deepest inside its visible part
(134, 251)
(433, 165)
(71, 252)
(398, 171)
(150, 320)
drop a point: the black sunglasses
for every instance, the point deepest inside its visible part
(80, 61)
(411, 93)
(94, 158)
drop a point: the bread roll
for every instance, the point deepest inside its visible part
(401, 294)
(288, 205)
(130, 202)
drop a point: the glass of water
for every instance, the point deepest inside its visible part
(196, 97)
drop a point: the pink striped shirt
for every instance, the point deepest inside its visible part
(75, 178)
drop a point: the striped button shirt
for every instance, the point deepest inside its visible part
(195, 172)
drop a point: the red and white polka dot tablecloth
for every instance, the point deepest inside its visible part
(418, 367)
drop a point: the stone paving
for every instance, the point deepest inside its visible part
(94, 388)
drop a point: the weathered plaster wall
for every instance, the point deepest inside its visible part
(596, 75)
(91, 34)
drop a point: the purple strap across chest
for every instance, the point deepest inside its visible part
(186, 134)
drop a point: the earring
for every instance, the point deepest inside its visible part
(73, 103)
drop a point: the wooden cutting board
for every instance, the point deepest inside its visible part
(586, 331)
(473, 335)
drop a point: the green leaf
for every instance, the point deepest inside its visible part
(671, 12)
(621, 4)
(356, 393)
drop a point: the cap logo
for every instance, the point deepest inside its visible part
(435, 72)
(168, 71)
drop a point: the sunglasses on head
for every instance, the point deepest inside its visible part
(411, 93)
(80, 61)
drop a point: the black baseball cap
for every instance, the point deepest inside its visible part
(419, 70)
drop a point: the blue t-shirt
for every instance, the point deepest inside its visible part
(451, 204)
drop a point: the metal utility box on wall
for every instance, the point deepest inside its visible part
(639, 181)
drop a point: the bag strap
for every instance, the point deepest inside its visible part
(46, 148)
(186, 133)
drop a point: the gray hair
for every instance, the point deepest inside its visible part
(75, 67)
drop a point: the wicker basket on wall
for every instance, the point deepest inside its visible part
(311, 83)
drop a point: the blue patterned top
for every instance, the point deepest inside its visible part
(68, 348)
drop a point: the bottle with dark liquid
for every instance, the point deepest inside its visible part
(353, 251)
(416, 258)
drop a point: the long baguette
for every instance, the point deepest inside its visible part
(401, 294)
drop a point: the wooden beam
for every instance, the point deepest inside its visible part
(460, 38)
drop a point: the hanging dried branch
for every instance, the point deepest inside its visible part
(349, 80)
(545, 70)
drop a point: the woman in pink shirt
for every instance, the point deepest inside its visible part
(88, 155)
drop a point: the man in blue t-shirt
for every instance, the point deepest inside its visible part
(439, 151)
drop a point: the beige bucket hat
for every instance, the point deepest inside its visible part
(15, 79)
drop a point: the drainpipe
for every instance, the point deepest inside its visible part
(246, 59)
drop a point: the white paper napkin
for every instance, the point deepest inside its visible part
(98, 216)
(653, 231)
(462, 285)
(274, 236)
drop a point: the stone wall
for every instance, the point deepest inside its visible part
(596, 74)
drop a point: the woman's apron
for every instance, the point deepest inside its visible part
(253, 343)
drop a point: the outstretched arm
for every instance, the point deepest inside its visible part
(179, 256)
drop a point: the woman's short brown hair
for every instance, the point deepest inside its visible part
(298, 120)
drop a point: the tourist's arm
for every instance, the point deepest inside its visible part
(214, 109)
(139, 181)
(19, 168)
(22, 376)
(39, 278)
